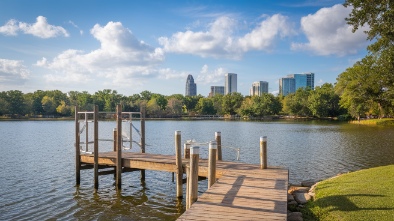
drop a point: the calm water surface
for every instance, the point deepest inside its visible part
(37, 177)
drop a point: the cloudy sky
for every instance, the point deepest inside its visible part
(131, 46)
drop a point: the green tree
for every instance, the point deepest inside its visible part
(16, 103)
(190, 103)
(63, 109)
(205, 106)
(360, 88)
(378, 15)
(153, 109)
(246, 109)
(146, 95)
(323, 102)
(174, 106)
(297, 103)
(217, 103)
(160, 100)
(49, 105)
(231, 103)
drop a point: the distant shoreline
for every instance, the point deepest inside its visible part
(191, 118)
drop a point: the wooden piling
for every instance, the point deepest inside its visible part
(218, 138)
(115, 138)
(77, 149)
(186, 151)
(142, 141)
(193, 174)
(178, 157)
(187, 187)
(263, 152)
(212, 164)
(119, 146)
(95, 143)
(86, 132)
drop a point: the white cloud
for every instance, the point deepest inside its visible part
(121, 58)
(328, 33)
(263, 36)
(209, 77)
(220, 41)
(39, 29)
(10, 28)
(13, 71)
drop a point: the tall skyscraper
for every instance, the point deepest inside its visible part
(258, 88)
(292, 82)
(216, 90)
(230, 84)
(191, 87)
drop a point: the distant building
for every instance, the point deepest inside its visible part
(216, 90)
(191, 87)
(230, 84)
(258, 88)
(292, 82)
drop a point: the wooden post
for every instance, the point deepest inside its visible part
(187, 186)
(193, 183)
(115, 138)
(263, 152)
(77, 149)
(212, 164)
(119, 146)
(95, 143)
(142, 137)
(218, 138)
(86, 132)
(186, 151)
(178, 158)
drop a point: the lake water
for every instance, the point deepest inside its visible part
(37, 176)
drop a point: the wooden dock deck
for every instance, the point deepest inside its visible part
(242, 192)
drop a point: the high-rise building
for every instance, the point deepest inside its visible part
(216, 90)
(191, 87)
(292, 82)
(230, 84)
(258, 88)
(286, 86)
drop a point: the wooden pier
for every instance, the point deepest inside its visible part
(236, 191)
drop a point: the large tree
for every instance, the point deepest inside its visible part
(379, 16)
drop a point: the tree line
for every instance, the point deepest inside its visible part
(321, 102)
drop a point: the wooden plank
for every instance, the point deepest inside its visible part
(243, 195)
(242, 192)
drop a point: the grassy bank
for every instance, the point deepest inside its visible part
(384, 121)
(362, 195)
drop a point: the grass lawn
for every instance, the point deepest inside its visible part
(362, 195)
(384, 121)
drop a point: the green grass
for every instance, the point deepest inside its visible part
(362, 195)
(384, 121)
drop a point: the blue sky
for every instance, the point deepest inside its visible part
(131, 46)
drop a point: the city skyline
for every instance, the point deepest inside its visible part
(132, 46)
(292, 82)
